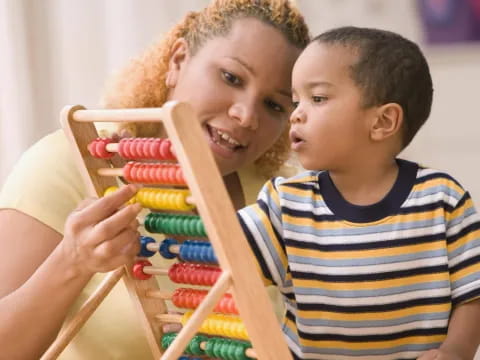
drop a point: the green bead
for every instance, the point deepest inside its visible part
(194, 346)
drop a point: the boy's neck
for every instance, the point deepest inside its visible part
(367, 183)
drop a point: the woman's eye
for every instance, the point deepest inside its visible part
(318, 99)
(231, 78)
(274, 106)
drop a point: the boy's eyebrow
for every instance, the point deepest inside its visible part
(314, 83)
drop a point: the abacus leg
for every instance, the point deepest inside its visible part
(87, 309)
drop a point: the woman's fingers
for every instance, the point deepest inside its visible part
(117, 251)
(104, 207)
(115, 224)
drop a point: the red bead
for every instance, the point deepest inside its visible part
(137, 270)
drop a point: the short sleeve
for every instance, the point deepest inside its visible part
(463, 241)
(45, 183)
(262, 224)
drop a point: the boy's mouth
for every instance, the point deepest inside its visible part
(295, 138)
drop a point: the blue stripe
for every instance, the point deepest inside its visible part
(372, 292)
(367, 261)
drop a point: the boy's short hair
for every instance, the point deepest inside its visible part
(389, 69)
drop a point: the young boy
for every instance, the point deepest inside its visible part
(376, 257)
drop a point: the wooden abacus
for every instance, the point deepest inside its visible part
(236, 272)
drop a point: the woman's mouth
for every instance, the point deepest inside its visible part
(222, 142)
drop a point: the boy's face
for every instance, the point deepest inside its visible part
(330, 127)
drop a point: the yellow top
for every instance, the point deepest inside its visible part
(113, 331)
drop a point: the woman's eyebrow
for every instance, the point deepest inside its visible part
(244, 64)
(284, 92)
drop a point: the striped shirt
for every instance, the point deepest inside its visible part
(371, 282)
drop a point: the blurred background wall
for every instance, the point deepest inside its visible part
(57, 52)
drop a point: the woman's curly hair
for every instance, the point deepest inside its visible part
(142, 82)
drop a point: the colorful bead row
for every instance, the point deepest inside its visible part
(160, 199)
(185, 298)
(175, 224)
(165, 174)
(189, 250)
(220, 325)
(133, 148)
(181, 273)
(98, 148)
(164, 199)
(220, 348)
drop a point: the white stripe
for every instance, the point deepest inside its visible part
(365, 331)
(365, 238)
(301, 206)
(430, 199)
(466, 254)
(454, 230)
(372, 300)
(459, 291)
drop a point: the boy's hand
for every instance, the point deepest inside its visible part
(439, 354)
(101, 234)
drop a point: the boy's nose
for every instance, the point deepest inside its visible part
(245, 114)
(297, 116)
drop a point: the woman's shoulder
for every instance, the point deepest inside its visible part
(45, 183)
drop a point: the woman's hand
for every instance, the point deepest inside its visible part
(101, 234)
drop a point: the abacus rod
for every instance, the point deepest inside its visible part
(110, 172)
(174, 248)
(151, 270)
(124, 115)
(112, 147)
(198, 316)
(159, 294)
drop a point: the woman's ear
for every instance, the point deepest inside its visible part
(179, 56)
(387, 122)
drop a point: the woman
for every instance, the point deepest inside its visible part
(232, 62)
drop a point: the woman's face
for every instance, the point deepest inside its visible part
(239, 86)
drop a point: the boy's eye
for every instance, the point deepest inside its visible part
(274, 106)
(231, 78)
(318, 99)
(295, 104)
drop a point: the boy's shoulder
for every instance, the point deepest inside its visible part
(431, 180)
(303, 180)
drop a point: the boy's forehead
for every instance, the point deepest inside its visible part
(320, 57)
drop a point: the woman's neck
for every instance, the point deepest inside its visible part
(234, 189)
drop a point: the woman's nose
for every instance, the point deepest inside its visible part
(245, 114)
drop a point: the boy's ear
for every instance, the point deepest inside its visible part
(387, 122)
(179, 55)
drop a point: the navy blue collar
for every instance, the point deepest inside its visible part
(389, 205)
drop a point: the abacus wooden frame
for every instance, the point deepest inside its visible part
(239, 273)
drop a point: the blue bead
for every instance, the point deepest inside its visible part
(144, 252)
(165, 248)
